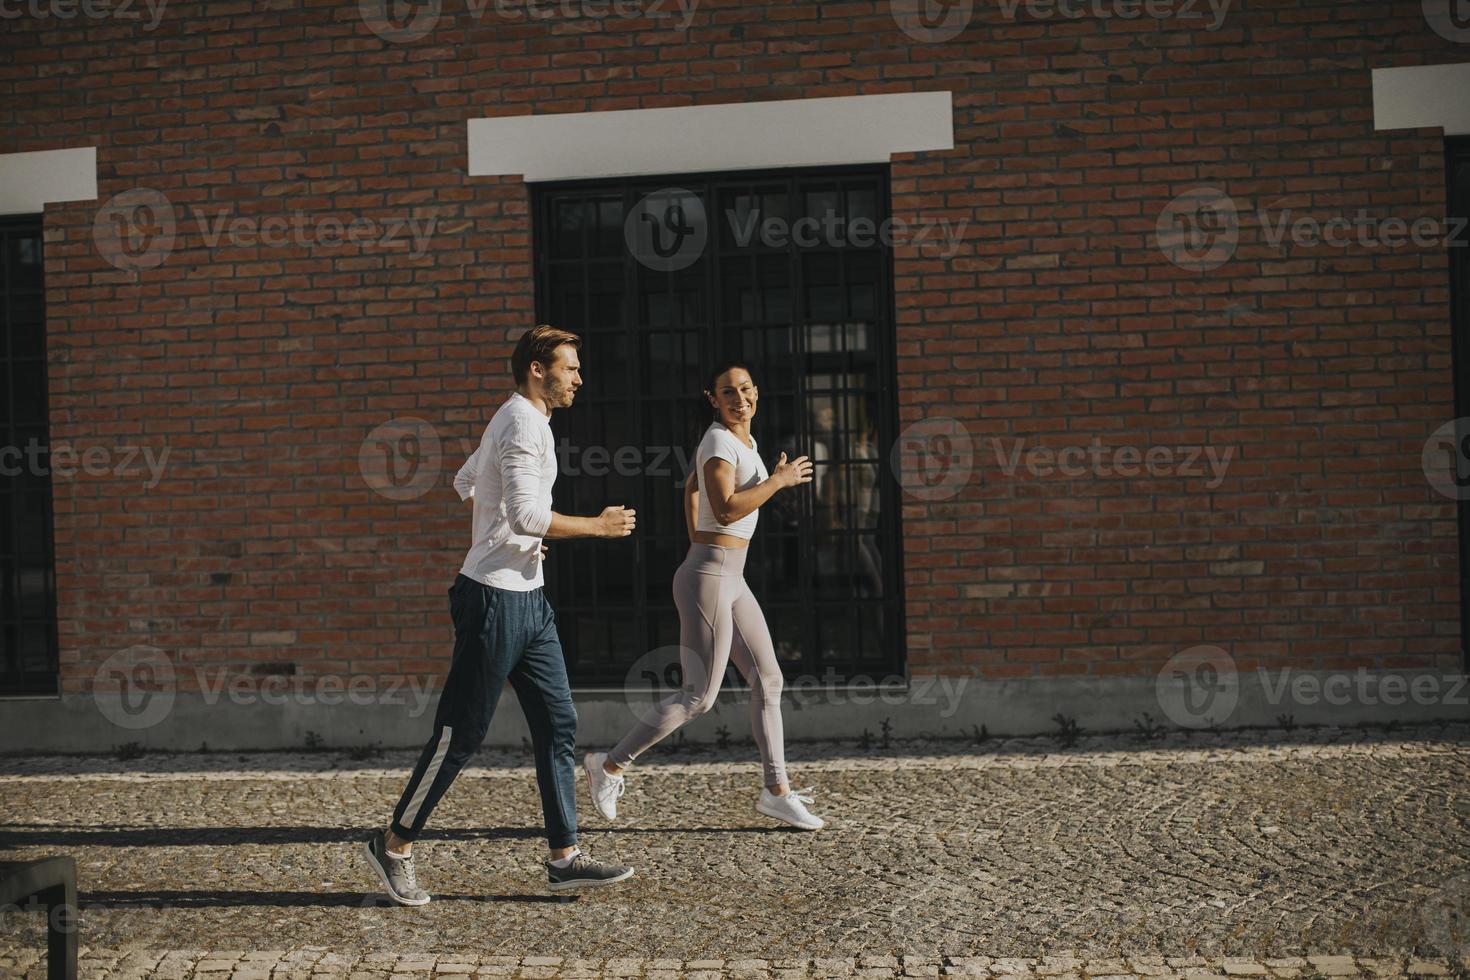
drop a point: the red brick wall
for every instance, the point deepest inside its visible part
(262, 369)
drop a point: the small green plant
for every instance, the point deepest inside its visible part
(313, 739)
(361, 753)
(981, 734)
(887, 733)
(722, 735)
(128, 751)
(865, 740)
(1286, 722)
(1147, 727)
(1067, 729)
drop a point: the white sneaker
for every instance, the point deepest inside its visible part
(605, 789)
(790, 808)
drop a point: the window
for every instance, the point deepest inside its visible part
(27, 549)
(1457, 168)
(810, 311)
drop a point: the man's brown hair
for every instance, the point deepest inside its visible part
(539, 344)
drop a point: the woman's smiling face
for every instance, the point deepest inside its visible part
(734, 397)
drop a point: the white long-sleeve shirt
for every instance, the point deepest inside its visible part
(514, 469)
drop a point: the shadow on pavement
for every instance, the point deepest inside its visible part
(18, 836)
(228, 899)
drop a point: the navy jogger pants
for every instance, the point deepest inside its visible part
(500, 635)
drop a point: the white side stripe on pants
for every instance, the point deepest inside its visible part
(440, 750)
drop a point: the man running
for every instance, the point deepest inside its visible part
(505, 630)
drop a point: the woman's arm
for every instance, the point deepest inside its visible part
(728, 506)
(691, 503)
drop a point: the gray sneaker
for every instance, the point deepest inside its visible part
(584, 872)
(397, 874)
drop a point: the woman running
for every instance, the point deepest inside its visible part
(719, 618)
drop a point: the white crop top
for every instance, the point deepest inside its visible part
(720, 443)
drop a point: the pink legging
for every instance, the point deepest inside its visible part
(719, 621)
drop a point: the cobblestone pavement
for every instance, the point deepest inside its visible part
(1318, 853)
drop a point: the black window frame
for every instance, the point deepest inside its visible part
(891, 661)
(1457, 201)
(15, 680)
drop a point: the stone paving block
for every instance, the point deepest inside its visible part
(1334, 966)
(1243, 968)
(1428, 968)
(251, 973)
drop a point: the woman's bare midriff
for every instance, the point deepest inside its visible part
(720, 540)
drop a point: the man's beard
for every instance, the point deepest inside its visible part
(558, 394)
